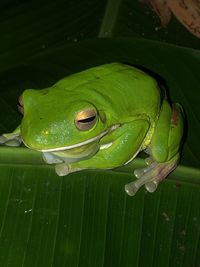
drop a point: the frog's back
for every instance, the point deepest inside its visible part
(126, 90)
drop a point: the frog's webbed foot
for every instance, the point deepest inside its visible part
(63, 166)
(10, 139)
(151, 175)
(51, 158)
(63, 169)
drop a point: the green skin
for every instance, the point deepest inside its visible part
(126, 115)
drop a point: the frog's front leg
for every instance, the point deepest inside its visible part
(11, 139)
(164, 150)
(116, 149)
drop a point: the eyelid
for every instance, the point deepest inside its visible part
(86, 119)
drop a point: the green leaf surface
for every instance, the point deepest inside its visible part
(86, 219)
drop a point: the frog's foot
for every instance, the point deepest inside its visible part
(151, 175)
(64, 169)
(51, 158)
(10, 140)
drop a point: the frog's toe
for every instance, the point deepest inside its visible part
(51, 158)
(14, 141)
(151, 186)
(160, 172)
(62, 169)
(131, 188)
(151, 176)
(3, 139)
(149, 160)
(139, 173)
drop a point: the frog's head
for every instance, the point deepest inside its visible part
(56, 123)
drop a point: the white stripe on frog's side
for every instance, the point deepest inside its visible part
(112, 128)
(105, 146)
(132, 158)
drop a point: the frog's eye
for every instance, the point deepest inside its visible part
(86, 119)
(20, 105)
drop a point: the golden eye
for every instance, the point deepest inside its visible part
(86, 119)
(20, 105)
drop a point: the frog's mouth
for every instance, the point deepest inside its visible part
(81, 144)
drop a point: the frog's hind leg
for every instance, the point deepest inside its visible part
(164, 150)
